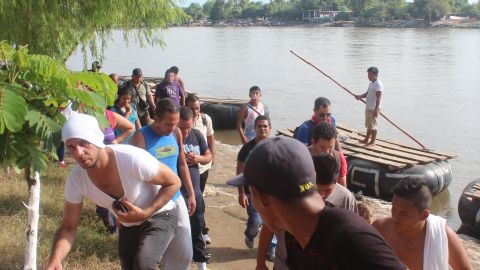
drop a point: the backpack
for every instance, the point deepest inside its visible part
(310, 124)
(204, 119)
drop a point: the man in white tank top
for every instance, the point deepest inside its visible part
(419, 239)
(248, 113)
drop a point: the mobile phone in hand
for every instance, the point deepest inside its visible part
(119, 206)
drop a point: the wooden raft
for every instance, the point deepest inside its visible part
(385, 152)
(153, 81)
(474, 191)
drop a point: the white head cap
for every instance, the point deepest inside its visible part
(83, 126)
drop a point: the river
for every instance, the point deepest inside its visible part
(431, 79)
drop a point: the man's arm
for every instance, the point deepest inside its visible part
(185, 174)
(151, 101)
(377, 104)
(65, 235)
(211, 146)
(264, 241)
(122, 123)
(364, 95)
(138, 140)
(170, 184)
(240, 117)
(242, 197)
(457, 256)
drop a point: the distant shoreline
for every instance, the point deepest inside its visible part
(414, 23)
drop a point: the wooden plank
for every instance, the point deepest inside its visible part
(475, 194)
(393, 153)
(366, 151)
(392, 144)
(392, 165)
(417, 152)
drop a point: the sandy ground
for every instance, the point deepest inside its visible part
(227, 220)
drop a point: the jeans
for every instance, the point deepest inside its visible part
(61, 151)
(254, 220)
(197, 221)
(165, 234)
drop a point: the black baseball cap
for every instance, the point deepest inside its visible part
(96, 65)
(137, 72)
(279, 166)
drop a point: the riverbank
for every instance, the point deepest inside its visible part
(413, 23)
(94, 249)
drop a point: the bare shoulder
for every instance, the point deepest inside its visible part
(382, 224)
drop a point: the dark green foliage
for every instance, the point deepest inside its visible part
(56, 28)
(32, 89)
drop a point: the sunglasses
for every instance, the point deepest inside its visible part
(325, 114)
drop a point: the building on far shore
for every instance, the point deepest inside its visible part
(316, 16)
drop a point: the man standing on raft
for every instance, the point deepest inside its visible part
(373, 100)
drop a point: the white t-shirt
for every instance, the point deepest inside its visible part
(206, 130)
(371, 99)
(135, 167)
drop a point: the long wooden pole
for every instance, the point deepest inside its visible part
(351, 93)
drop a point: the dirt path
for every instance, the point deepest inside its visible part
(225, 218)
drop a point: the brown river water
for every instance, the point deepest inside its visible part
(431, 79)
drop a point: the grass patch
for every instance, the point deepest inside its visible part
(93, 249)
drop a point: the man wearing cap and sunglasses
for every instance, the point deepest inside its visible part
(133, 185)
(281, 176)
(321, 113)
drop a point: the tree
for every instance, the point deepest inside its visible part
(431, 10)
(32, 88)
(219, 10)
(195, 11)
(56, 28)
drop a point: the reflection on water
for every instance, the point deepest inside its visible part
(430, 77)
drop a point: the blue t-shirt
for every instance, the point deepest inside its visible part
(194, 143)
(304, 133)
(163, 148)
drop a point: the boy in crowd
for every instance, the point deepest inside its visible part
(248, 113)
(196, 152)
(163, 140)
(281, 176)
(203, 123)
(176, 78)
(421, 240)
(323, 139)
(263, 127)
(169, 88)
(373, 101)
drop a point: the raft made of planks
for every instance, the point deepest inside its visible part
(473, 191)
(153, 81)
(392, 154)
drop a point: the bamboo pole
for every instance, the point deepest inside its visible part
(351, 93)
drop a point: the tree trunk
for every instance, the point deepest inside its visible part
(33, 208)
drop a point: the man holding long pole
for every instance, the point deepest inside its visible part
(373, 100)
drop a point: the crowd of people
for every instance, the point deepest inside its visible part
(147, 169)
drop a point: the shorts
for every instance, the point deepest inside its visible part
(370, 121)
